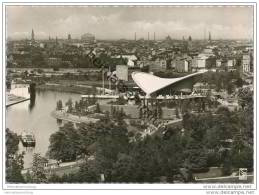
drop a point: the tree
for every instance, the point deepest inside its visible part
(14, 161)
(38, 172)
(59, 105)
(245, 98)
(58, 146)
(122, 168)
(227, 163)
(243, 158)
(140, 113)
(69, 104)
(159, 112)
(93, 100)
(87, 173)
(177, 113)
(53, 178)
(77, 107)
(230, 88)
(137, 99)
(246, 114)
(64, 144)
(112, 139)
(184, 107)
(12, 142)
(239, 82)
(213, 159)
(98, 109)
(14, 167)
(196, 157)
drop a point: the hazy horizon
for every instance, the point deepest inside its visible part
(121, 22)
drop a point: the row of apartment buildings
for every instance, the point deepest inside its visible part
(202, 61)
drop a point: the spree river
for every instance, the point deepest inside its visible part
(36, 118)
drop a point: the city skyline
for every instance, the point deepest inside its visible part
(122, 22)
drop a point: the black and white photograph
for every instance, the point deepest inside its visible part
(129, 94)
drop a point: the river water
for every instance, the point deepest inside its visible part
(36, 118)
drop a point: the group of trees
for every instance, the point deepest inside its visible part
(115, 157)
(223, 80)
(70, 141)
(152, 112)
(32, 57)
(181, 106)
(117, 113)
(14, 160)
(78, 107)
(246, 101)
(213, 133)
(119, 160)
(38, 173)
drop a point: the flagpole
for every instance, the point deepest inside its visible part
(109, 79)
(103, 80)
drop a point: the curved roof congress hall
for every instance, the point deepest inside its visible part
(154, 85)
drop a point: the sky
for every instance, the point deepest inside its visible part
(121, 22)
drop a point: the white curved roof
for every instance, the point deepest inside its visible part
(150, 83)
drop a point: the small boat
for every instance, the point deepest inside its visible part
(28, 139)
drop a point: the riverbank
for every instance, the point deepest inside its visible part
(61, 115)
(66, 88)
(74, 88)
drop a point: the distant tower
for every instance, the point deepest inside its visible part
(189, 43)
(56, 40)
(69, 37)
(32, 36)
(209, 36)
(135, 36)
